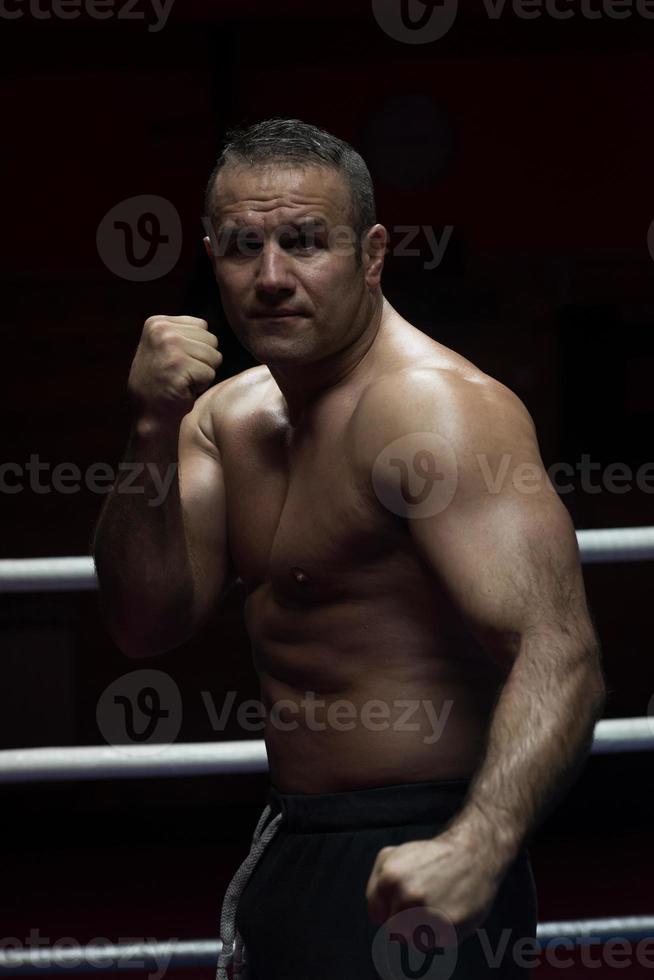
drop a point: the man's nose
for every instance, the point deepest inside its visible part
(274, 273)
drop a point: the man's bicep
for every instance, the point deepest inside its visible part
(202, 492)
(461, 464)
(509, 563)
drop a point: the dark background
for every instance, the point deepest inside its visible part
(532, 140)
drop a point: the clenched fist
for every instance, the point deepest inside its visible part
(176, 360)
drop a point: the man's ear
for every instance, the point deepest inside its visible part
(374, 251)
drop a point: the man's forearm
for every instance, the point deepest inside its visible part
(541, 732)
(140, 547)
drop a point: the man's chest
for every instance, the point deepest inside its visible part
(303, 517)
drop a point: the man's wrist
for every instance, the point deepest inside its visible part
(486, 834)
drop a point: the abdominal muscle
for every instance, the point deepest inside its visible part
(362, 693)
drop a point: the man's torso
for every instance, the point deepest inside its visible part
(367, 674)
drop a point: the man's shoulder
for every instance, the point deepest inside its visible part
(241, 393)
(239, 398)
(444, 395)
(446, 384)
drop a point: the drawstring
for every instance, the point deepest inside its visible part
(233, 949)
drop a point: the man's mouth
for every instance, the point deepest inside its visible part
(277, 314)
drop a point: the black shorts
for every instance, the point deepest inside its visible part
(303, 913)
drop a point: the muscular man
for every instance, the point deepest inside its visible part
(415, 601)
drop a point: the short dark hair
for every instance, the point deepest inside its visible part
(293, 141)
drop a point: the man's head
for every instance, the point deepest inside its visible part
(291, 141)
(291, 218)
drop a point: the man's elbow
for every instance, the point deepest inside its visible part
(137, 645)
(137, 648)
(593, 680)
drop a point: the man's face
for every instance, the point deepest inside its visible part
(290, 283)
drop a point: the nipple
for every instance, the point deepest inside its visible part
(299, 575)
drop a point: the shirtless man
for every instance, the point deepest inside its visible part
(406, 562)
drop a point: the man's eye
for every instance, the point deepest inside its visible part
(250, 246)
(301, 242)
(243, 246)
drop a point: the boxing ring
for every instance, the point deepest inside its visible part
(249, 756)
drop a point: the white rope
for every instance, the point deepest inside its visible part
(204, 952)
(132, 761)
(101, 956)
(218, 758)
(78, 573)
(613, 544)
(47, 574)
(626, 927)
(624, 735)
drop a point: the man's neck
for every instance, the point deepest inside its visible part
(302, 385)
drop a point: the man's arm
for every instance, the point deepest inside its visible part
(160, 544)
(504, 550)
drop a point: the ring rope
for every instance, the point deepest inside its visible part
(204, 952)
(619, 544)
(216, 758)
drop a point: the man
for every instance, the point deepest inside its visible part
(415, 602)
